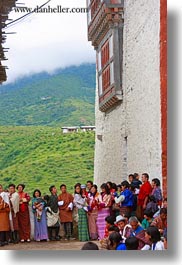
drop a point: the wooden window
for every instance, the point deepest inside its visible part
(105, 65)
(105, 53)
(105, 30)
(106, 78)
(109, 71)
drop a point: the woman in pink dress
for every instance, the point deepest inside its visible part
(104, 203)
(93, 212)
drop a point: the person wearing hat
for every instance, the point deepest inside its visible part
(83, 190)
(23, 214)
(124, 228)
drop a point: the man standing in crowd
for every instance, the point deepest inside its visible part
(145, 191)
(65, 202)
(53, 221)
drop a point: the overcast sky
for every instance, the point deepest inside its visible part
(44, 42)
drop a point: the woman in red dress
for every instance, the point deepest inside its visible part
(23, 214)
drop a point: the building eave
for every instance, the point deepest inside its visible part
(5, 7)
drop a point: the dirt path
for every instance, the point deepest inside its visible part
(51, 245)
(58, 245)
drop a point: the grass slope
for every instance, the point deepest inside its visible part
(42, 156)
(64, 98)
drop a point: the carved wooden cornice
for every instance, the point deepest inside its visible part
(105, 17)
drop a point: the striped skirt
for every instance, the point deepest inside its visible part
(101, 223)
(83, 233)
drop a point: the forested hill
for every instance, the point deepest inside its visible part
(40, 156)
(65, 98)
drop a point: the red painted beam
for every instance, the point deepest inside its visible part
(163, 87)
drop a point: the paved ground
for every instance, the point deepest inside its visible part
(58, 245)
(51, 245)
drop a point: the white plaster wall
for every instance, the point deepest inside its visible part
(138, 117)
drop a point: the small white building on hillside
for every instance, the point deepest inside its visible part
(70, 129)
(87, 128)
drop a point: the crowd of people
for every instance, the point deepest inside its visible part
(131, 215)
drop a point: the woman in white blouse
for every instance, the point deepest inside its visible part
(80, 204)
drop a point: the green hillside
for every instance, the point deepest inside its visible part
(41, 156)
(64, 98)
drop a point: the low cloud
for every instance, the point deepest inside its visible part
(45, 42)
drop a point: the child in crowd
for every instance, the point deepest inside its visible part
(148, 218)
(118, 190)
(38, 206)
(84, 191)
